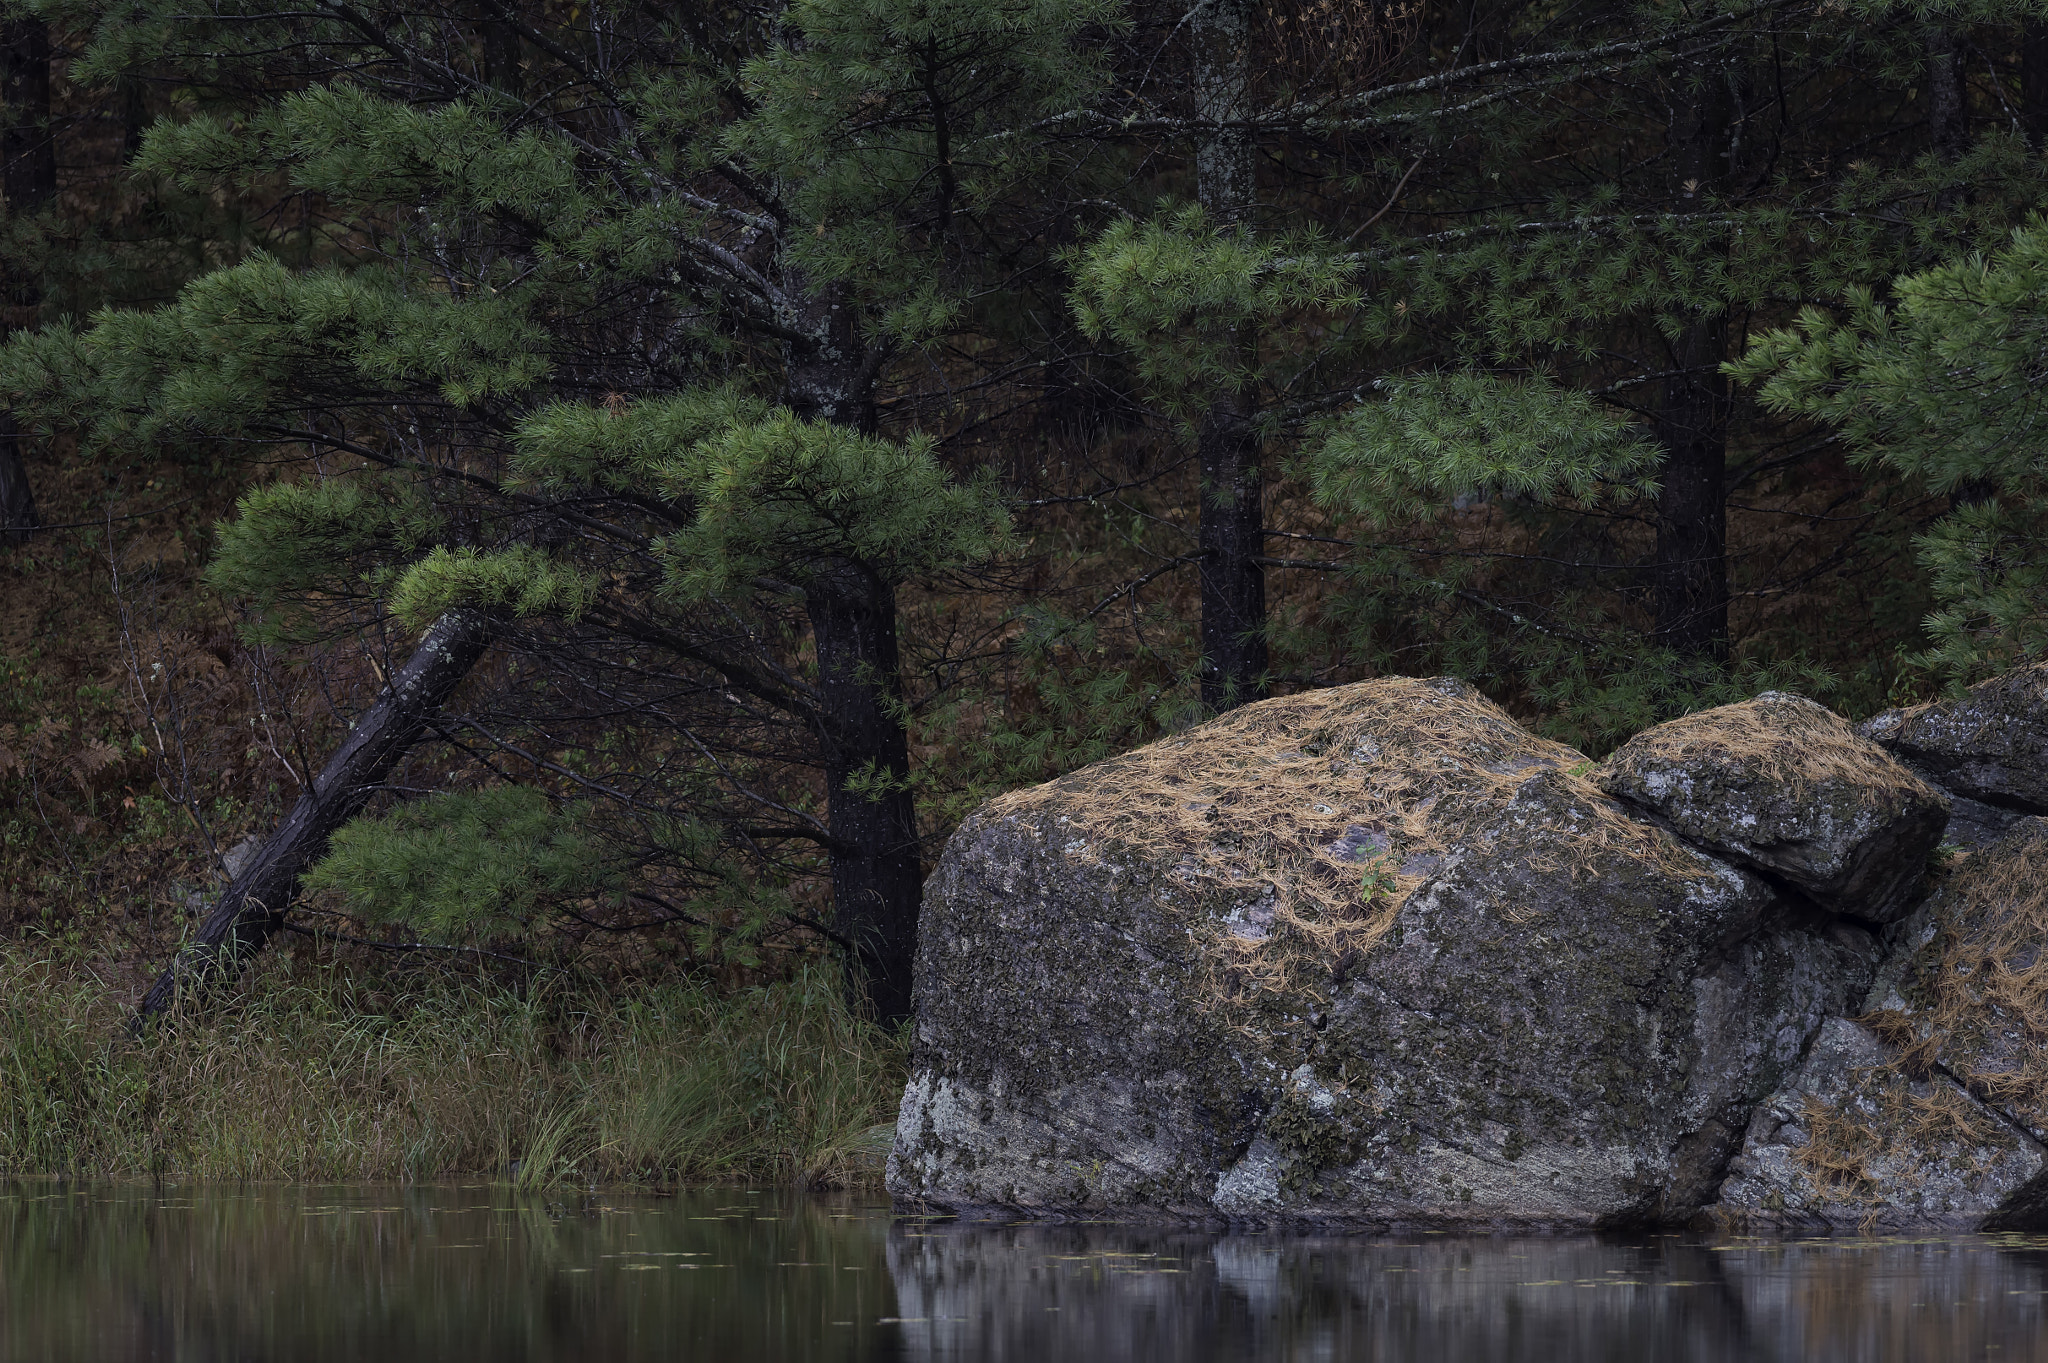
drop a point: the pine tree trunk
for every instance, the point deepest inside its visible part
(1692, 504)
(877, 873)
(252, 907)
(1232, 534)
(28, 177)
(877, 864)
(1947, 119)
(2034, 81)
(1692, 507)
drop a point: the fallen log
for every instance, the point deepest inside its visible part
(252, 907)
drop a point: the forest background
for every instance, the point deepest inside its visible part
(531, 523)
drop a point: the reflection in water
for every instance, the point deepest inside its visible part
(1100, 1292)
(399, 1275)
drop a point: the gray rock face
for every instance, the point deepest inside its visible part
(1935, 1112)
(1856, 1142)
(1990, 745)
(1369, 956)
(1788, 787)
(1966, 988)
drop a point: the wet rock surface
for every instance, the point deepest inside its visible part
(1790, 788)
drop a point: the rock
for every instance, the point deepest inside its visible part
(1787, 787)
(1933, 1113)
(1856, 1142)
(1966, 987)
(1368, 956)
(1990, 745)
(237, 858)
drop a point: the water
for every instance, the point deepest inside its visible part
(394, 1275)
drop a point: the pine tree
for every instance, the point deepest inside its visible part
(1602, 201)
(1942, 384)
(605, 365)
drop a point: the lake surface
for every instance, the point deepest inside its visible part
(395, 1275)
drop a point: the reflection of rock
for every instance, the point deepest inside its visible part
(1816, 1301)
(1202, 979)
(1089, 1294)
(1990, 745)
(1784, 785)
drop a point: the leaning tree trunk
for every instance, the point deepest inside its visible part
(28, 177)
(877, 862)
(1692, 503)
(252, 907)
(1232, 532)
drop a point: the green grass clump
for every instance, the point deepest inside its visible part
(318, 1071)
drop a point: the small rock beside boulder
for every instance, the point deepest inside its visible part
(1378, 956)
(1788, 788)
(1988, 748)
(1859, 1142)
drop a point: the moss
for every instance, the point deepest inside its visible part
(1310, 1138)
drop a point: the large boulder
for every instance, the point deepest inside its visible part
(1934, 1110)
(1788, 788)
(1989, 746)
(1374, 955)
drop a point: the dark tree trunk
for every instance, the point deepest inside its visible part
(28, 177)
(877, 865)
(1232, 536)
(877, 872)
(1948, 126)
(1692, 507)
(1232, 541)
(501, 55)
(252, 907)
(2034, 82)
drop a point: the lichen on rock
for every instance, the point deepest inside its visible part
(1932, 1108)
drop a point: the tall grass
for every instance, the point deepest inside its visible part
(320, 1072)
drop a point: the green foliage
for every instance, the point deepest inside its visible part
(466, 865)
(1428, 438)
(793, 499)
(1945, 385)
(357, 149)
(291, 544)
(1174, 291)
(243, 349)
(898, 122)
(519, 579)
(625, 446)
